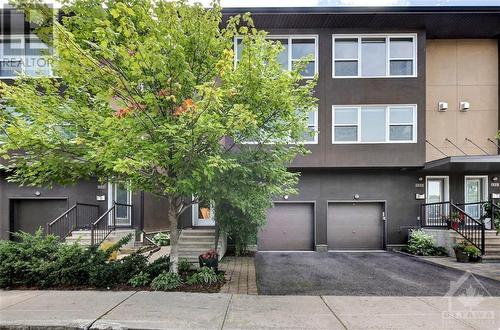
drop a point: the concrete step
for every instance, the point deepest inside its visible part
(490, 258)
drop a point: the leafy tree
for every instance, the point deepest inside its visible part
(148, 94)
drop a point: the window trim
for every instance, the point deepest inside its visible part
(23, 57)
(289, 38)
(387, 123)
(388, 54)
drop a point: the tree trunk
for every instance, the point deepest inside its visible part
(174, 235)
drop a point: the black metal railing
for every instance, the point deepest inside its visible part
(434, 214)
(487, 212)
(79, 216)
(451, 216)
(106, 223)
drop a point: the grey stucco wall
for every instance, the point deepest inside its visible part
(84, 192)
(363, 91)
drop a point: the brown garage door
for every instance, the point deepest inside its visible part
(30, 214)
(355, 226)
(290, 227)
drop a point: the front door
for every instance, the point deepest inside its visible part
(436, 192)
(118, 193)
(203, 214)
(475, 193)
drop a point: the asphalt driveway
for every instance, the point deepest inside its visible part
(361, 274)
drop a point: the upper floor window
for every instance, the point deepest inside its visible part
(374, 56)
(24, 55)
(296, 47)
(374, 124)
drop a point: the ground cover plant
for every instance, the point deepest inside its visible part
(41, 262)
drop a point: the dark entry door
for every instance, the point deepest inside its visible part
(30, 214)
(290, 227)
(355, 226)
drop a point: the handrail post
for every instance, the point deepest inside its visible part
(483, 239)
(114, 216)
(92, 234)
(76, 215)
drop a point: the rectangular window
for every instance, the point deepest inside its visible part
(296, 47)
(374, 56)
(374, 124)
(24, 55)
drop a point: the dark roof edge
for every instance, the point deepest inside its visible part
(363, 10)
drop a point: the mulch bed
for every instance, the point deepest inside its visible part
(197, 288)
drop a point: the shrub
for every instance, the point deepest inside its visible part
(158, 266)
(162, 239)
(166, 281)
(468, 249)
(184, 265)
(139, 279)
(42, 261)
(423, 244)
(205, 275)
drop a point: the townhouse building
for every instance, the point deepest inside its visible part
(406, 133)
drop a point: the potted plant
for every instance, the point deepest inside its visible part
(209, 259)
(455, 219)
(460, 252)
(466, 252)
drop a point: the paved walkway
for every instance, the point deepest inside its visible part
(490, 270)
(240, 275)
(167, 310)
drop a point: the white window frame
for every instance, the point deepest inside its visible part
(289, 38)
(388, 54)
(387, 123)
(23, 57)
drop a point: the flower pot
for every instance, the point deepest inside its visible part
(454, 225)
(461, 256)
(211, 263)
(475, 259)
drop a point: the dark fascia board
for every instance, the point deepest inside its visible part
(491, 159)
(363, 10)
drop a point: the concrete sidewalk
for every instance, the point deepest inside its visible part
(164, 310)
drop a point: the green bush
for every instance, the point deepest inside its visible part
(139, 279)
(423, 244)
(158, 266)
(205, 275)
(166, 281)
(42, 261)
(184, 265)
(162, 239)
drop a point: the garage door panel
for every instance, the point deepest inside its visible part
(31, 214)
(355, 226)
(289, 227)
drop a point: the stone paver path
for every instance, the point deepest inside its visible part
(490, 270)
(240, 275)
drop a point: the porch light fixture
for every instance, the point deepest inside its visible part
(464, 106)
(37, 193)
(356, 196)
(420, 179)
(442, 106)
(495, 178)
(285, 197)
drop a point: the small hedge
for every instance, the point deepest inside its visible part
(422, 244)
(42, 261)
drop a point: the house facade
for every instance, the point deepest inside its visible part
(408, 114)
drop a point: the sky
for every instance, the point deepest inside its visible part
(325, 3)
